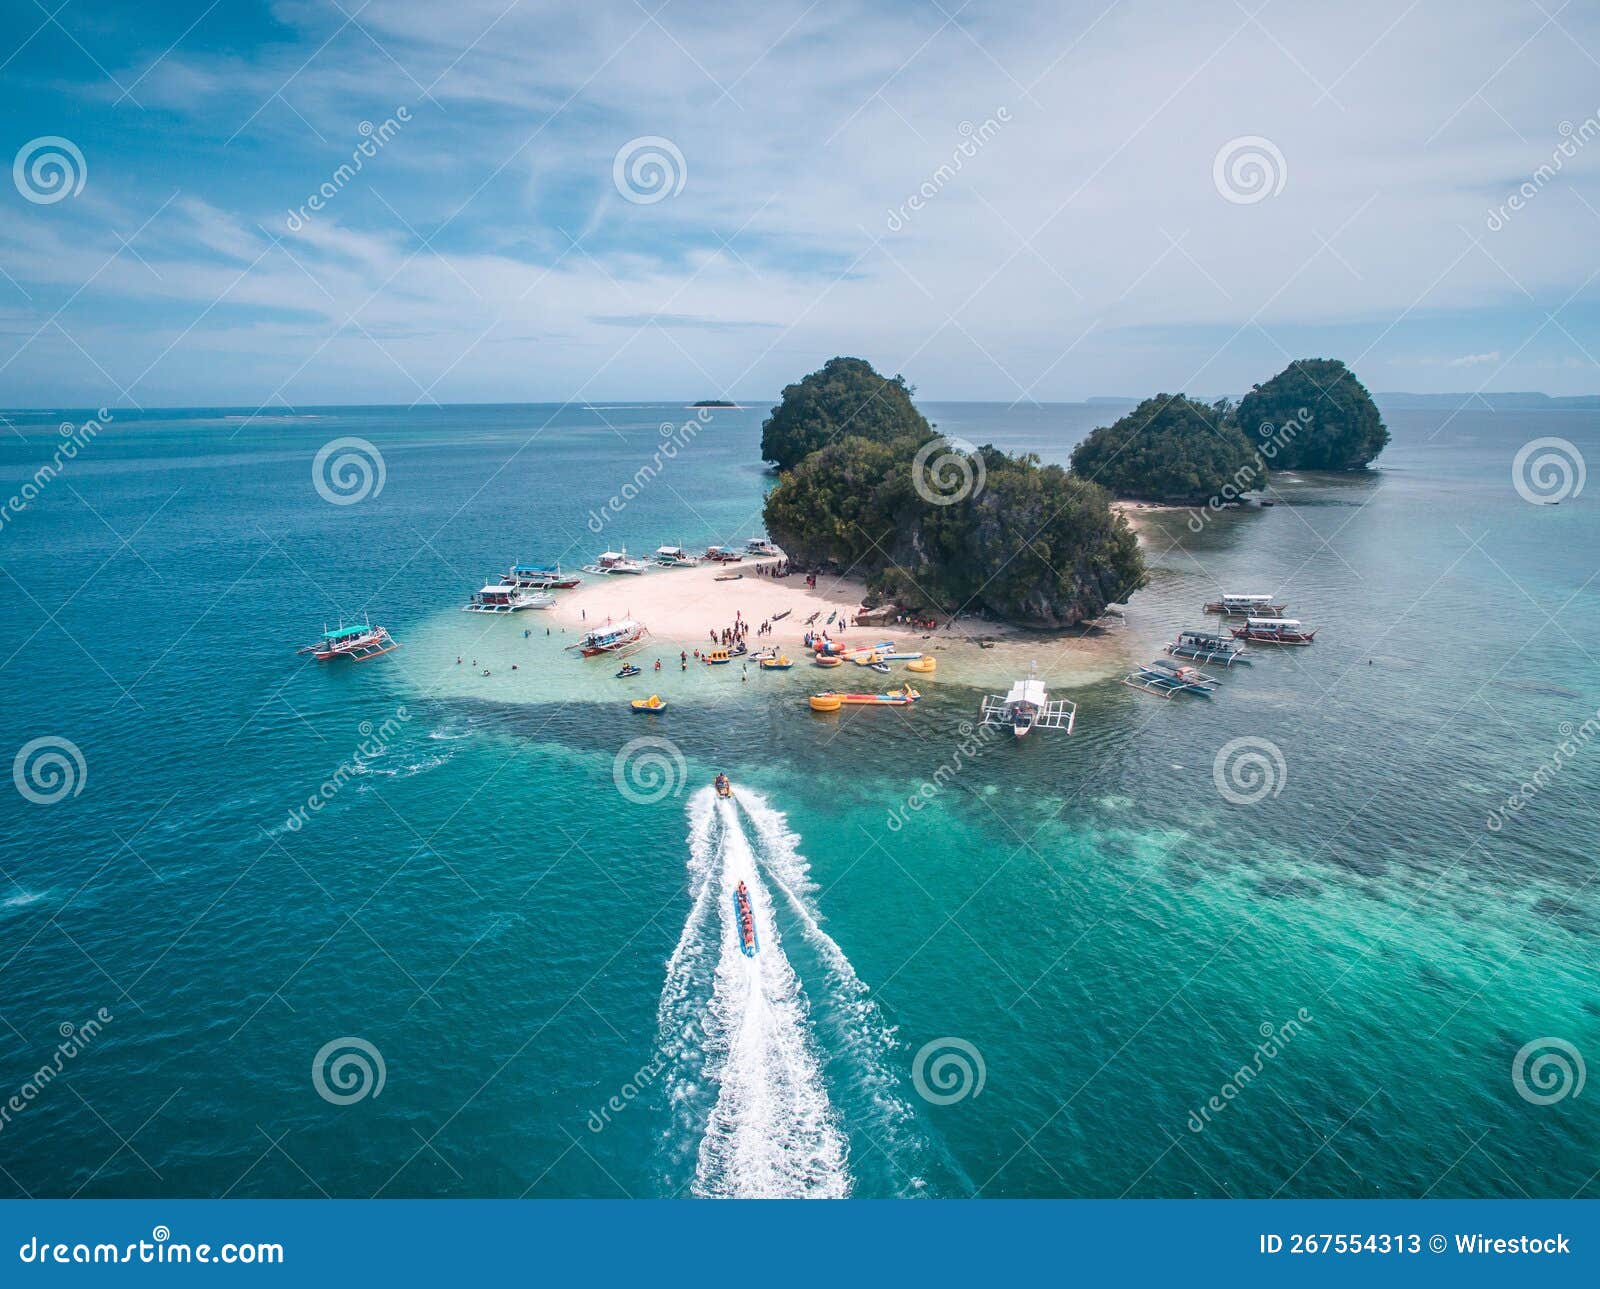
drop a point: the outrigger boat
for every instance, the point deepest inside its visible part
(1164, 679)
(674, 557)
(616, 562)
(1285, 631)
(611, 637)
(540, 577)
(357, 643)
(746, 921)
(1208, 646)
(760, 546)
(1240, 606)
(723, 555)
(721, 784)
(1027, 706)
(507, 597)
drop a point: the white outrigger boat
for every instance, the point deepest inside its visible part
(1028, 705)
(507, 597)
(357, 643)
(674, 557)
(760, 546)
(540, 577)
(614, 636)
(616, 562)
(1245, 606)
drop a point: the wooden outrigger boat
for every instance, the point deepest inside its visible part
(356, 643)
(1240, 606)
(1208, 646)
(761, 546)
(507, 597)
(624, 635)
(540, 577)
(1028, 706)
(674, 557)
(723, 555)
(616, 562)
(1284, 631)
(1164, 679)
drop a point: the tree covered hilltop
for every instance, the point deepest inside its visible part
(868, 485)
(1313, 415)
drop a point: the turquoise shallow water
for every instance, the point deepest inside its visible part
(546, 966)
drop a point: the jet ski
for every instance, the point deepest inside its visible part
(723, 787)
(747, 922)
(628, 669)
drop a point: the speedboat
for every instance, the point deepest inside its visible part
(722, 785)
(745, 920)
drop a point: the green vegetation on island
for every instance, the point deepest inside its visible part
(870, 487)
(1170, 448)
(1319, 415)
(713, 402)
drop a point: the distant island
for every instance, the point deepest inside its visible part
(867, 485)
(714, 402)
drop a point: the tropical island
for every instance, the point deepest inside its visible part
(868, 485)
(714, 402)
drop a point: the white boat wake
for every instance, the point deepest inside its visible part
(746, 1077)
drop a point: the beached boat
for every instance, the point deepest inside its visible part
(779, 663)
(727, 577)
(643, 706)
(760, 546)
(1240, 606)
(616, 562)
(507, 597)
(357, 643)
(610, 638)
(904, 696)
(674, 557)
(540, 577)
(1026, 706)
(1208, 646)
(746, 921)
(779, 617)
(1284, 631)
(1164, 678)
(723, 555)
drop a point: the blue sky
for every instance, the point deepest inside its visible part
(1001, 201)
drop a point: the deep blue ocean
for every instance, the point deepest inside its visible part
(1080, 968)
